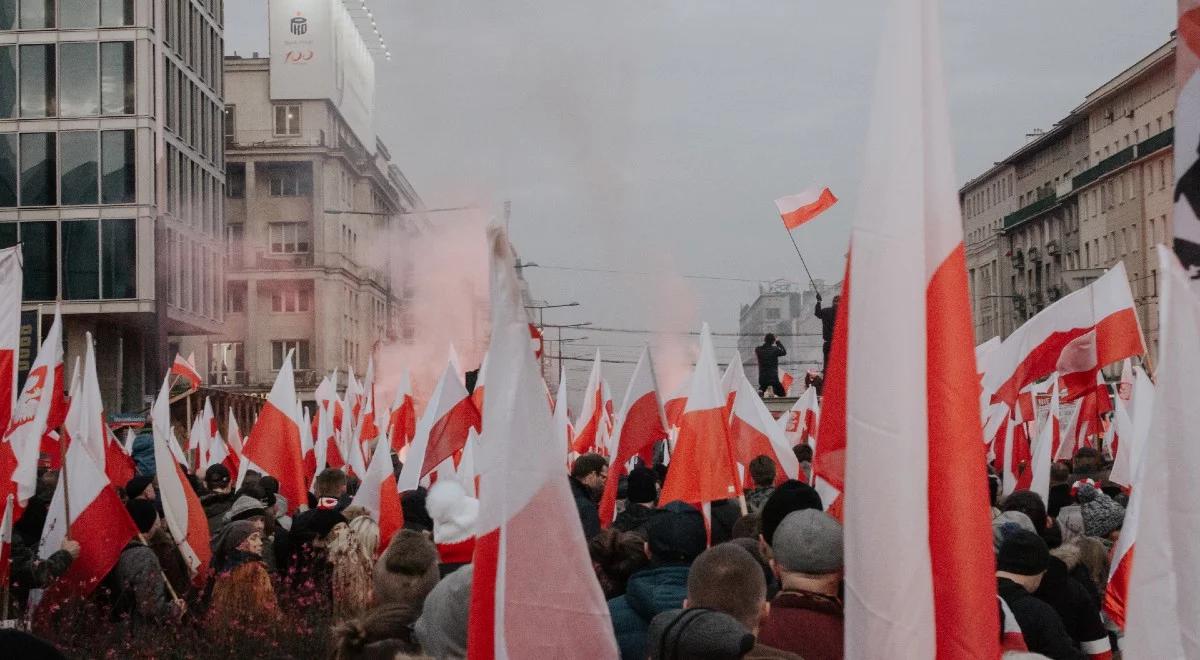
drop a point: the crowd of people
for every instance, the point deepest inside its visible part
(760, 577)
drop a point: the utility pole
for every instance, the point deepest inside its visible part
(541, 306)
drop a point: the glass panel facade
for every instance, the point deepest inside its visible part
(81, 260)
(115, 13)
(8, 14)
(37, 80)
(119, 259)
(8, 169)
(39, 252)
(116, 77)
(8, 81)
(8, 234)
(78, 79)
(117, 158)
(78, 13)
(38, 179)
(37, 14)
(79, 167)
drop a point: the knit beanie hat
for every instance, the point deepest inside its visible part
(641, 486)
(1023, 553)
(137, 485)
(143, 513)
(808, 541)
(1005, 524)
(676, 533)
(407, 570)
(699, 634)
(442, 628)
(1101, 515)
(217, 474)
(453, 513)
(789, 496)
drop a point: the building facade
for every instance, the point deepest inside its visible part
(786, 310)
(1091, 191)
(310, 215)
(111, 174)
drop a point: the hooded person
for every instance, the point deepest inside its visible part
(641, 492)
(442, 627)
(453, 513)
(142, 452)
(406, 571)
(807, 616)
(676, 535)
(242, 599)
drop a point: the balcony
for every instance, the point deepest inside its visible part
(1018, 260)
(1035, 255)
(1053, 293)
(260, 139)
(1028, 211)
(1052, 249)
(1119, 159)
(272, 261)
(228, 378)
(1156, 142)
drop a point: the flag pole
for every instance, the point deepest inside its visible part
(163, 573)
(8, 507)
(802, 263)
(66, 484)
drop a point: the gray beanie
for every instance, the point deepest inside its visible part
(442, 628)
(245, 506)
(697, 634)
(808, 541)
(1005, 524)
(1101, 515)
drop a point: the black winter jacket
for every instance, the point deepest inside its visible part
(1040, 624)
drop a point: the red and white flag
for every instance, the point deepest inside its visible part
(1076, 336)
(1163, 606)
(703, 467)
(6, 537)
(562, 414)
(754, 432)
(591, 416)
(640, 425)
(799, 209)
(1133, 423)
(233, 435)
(786, 380)
(99, 523)
(201, 434)
(1043, 447)
(730, 380)
(528, 537)
(38, 404)
(183, 515)
(378, 494)
(800, 423)
(85, 422)
(443, 429)
(402, 421)
(11, 279)
(186, 370)
(904, 383)
(274, 442)
(480, 384)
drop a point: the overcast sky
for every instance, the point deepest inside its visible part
(654, 134)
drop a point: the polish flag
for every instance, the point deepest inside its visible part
(1163, 604)
(328, 402)
(730, 381)
(1076, 336)
(640, 425)
(217, 451)
(85, 421)
(98, 522)
(327, 448)
(234, 437)
(6, 539)
(11, 279)
(535, 593)
(799, 209)
(201, 434)
(352, 399)
(703, 467)
(1133, 423)
(41, 395)
(353, 447)
(1125, 384)
(186, 370)
(480, 384)
(562, 414)
(1016, 472)
(786, 380)
(799, 424)
(274, 442)
(369, 430)
(755, 433)
(182, 513)
(307, 445)
(378, 494)
(675, 404)
(587, 427)
(903, 382)
(442, 431)
(1047, 441)
(402, 421)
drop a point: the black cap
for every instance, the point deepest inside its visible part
(641, 488)
(1023, 553)
(216, 473)
(676, 533)
(143, 513)
(789, 496)
(137, 485)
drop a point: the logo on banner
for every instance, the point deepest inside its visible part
(27, 404)
(299, 24)
(298, 56)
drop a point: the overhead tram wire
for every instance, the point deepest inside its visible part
(617, 271)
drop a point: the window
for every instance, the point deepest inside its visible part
(235, 298)
(233, 245)
(78, 79)
(37, 80)
(290, 180)
(78, 167)
(119, 258)
(117, 159)
(39, 256)
(235, 180)
(116, 13)
(772, 314)
(227, 363)
(288, 301)
(8, 14)
(8, 79)
(38, 180)
(81, 260)
(279, 352)
(289, 237)
(287, 120)
(230, 121)
(78, 13)
(116, 77)
(37, 14)
(8, 169)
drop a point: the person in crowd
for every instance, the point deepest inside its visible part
(406, 571)
(416, 516)
(140, 487)
(383, 632)
(441, 629)
(20, 644)
(1020, 567)
(332, 483)
(727, 579)
(29, 572)
(616, 555)
(804, 456)
(768, 365)
(1102, 516)
(220, 495)
(588, 475)
(352, 557)
(640, 495)
(1060, 488)
(30, 524)
(748, 526)
(453, 513)
(279, 507)
(676, 535)
(697, 633)
(789, 496)
(1031, 504)
(139, 583)
(1086, 558)
(243, 598)
(307, 568)
(1007, 521)
(142, 451)
(1088, 463)
(174, 566)
(828, 316)
(762, 474)
(750, 544)
(806, 616)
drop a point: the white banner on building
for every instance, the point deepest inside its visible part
(1187, 140)
(318, 53)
